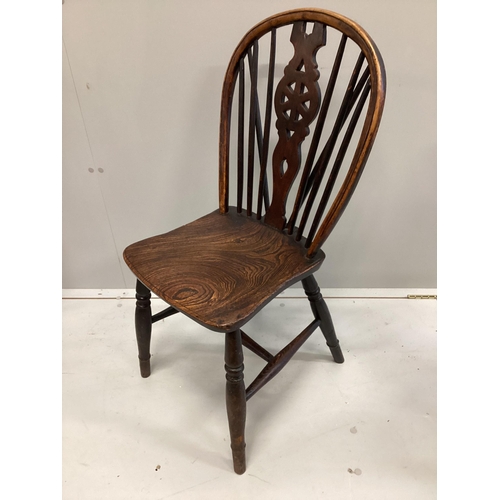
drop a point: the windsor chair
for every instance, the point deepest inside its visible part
(223, 268)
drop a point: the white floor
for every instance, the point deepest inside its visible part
(363, 430)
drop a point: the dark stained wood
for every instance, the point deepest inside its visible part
(252, 131)
(296, 104)
(302, 191)
(279, 361)
(375, 73)
(263, 188)
(235, 398)
(358, 162)
(169, 311)
(337, 164)
(263, 193)
(321, 312)
(241, 132)
(220, 269)
(143, 325)
(256, 348)
(314, 181)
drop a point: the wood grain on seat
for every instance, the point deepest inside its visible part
(221, 269)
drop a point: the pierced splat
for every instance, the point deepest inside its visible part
(296, 103)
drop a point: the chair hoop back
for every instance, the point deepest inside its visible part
(299, 104)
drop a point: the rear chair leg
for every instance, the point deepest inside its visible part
(235, 398)
(321, 312)
(143, 325)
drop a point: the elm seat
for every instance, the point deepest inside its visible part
(221, 269)
(287, 130)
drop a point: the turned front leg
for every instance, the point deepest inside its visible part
(321, 312)
(235, 398)
(143, 325)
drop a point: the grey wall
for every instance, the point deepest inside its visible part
(141, 93)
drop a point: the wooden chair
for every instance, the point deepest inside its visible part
(223, 268)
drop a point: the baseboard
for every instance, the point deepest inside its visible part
(331, 293)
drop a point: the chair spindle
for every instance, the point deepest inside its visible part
(253, 61)
(314, 181)
(263, 194)
(337, 164)
(241, 132)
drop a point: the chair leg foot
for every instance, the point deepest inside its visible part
(239, 462)
(236, 398)
(336, 351)
(143, 326)
(145, 367)
(321, 312)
